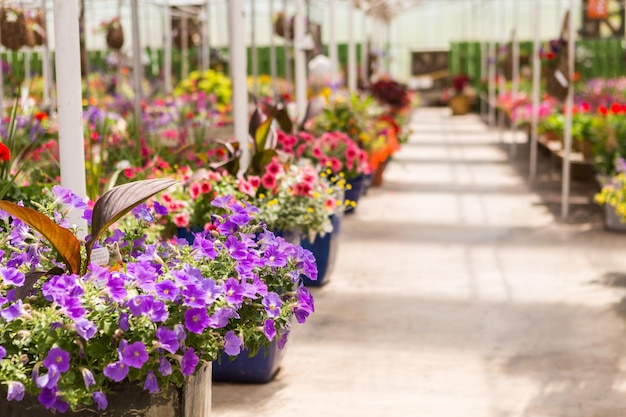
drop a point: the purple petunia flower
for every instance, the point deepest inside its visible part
(272, 304)
(166, 290)
(167, 339)
(305, 305)
(60, 405)
(144, 274)
(236, 249)
(88, 378)
(15, 391)
(151, 384)
(87, 215)
(12, 312)
(156, 310)
(86, 329)
(66, 196)
(59, 358)
(136, 305)
(134, 354)
(188, 362)
(233, 291)
(194, 296)
(48, 380)
(275, 257)
(141, 212)
(205, 246)
(196, 320)
(122, 323)
(100, 400)
(222, 201)
(3, 352)
(11, 276)
(269, 329)
(115, 287)
(282, 339)
(47, 397)
(165, 368)
(116, 371)
(232, 343)
(257, 286)
(221, 316)
(160, 209)
(212, 290)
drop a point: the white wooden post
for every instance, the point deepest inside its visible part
(238, 64)
(46, 64)
(364, 50)
(206, 44)
(287, 45)
(300, 60)
(569, 104)
(351, 50)
(332, 45)
(253, 50)
(536, 86)
(184, 45)
(273, 70)
(69, 95)
(167, 47)
(137, 65)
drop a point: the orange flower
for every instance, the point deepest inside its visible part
(5, 153)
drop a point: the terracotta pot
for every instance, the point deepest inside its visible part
(459, 104)
(377, 178)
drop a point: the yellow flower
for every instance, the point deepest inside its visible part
(310, 210)
(272, 202)
(261, 195)
(341, 174)
(348, 187)
(316, 195)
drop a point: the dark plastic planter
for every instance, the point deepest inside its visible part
(259, 369)
(354, 193)
(324, 250)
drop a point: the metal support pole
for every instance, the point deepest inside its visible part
(364, 52)
(332, 45)
(206, 30)
(184, 46)
(46, 64)
(513, 150)
(69, 94)
(287, 45)
(238, 65)
(536, 86)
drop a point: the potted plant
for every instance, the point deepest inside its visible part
(123, 310)
(460, 102)
(612, 197)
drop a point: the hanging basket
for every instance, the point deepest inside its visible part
(558, 81)
(13, 28)
(38, 26)
(115, 35)
(282, 27)
(193, 33)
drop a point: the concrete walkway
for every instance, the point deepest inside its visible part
(456, 293)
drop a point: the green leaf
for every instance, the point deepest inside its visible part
(263, 131)
(31, 278)
(61, 239)
(261, 159)
(253, 126)
(284, 121)
(118, 201)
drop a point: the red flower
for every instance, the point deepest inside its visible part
(616, 108)
(5, 153)
(585, 106)
(603, 110)
(40, 115)
(550, 55)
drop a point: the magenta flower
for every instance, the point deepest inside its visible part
(272, 304)
(232, 343)
(3, 352)
(275, 257)
(167, 339)
(15, 391)
(151, 384)
(11, 276)
(188, 362)
(133, 355)
(59, 358)
(194, 296)
(116, 371)
(196, 320)
(269, 329)
(100, 400)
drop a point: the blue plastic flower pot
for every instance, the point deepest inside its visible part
(187, 234)
(367, 184)
(355, 191)
(259, 369)
(324, 250)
